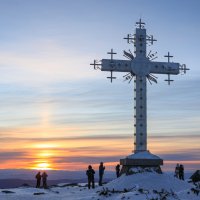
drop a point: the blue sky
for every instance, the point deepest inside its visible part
(49, 90)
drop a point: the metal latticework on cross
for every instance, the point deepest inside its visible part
(140, 67)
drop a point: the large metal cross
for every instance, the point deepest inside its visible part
(142, 68)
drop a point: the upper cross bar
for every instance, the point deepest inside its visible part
(168, 56)
(140, 23)
(111, 53)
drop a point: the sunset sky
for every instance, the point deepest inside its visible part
(57, 112)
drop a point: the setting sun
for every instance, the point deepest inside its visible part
(42, 166)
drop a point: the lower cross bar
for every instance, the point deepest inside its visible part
(169, 80)
(111, 76)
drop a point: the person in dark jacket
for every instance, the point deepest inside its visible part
(38, 177)
(44, 180)
(101, 172)
(117, 168)
(176, 173)
(90, 174)
(181, 172)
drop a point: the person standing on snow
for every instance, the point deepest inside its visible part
(117, 168)
(44, 180)
(101, 172)
(181, 172)
(176, 173)
(38, 177)
(90, 174)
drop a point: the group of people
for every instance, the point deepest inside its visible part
(179, 171)
(42, 176)
(90, 174)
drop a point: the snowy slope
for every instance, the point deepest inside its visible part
(141, 186)
(148, 180)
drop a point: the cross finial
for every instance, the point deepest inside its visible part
(111, 53)
(95, 64)
(111, 76)
(168, 56)
(129, 38)
(151, 39)
(183, 68)
(169, 80)
(140, 23)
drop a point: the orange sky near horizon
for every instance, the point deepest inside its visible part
(77, 152)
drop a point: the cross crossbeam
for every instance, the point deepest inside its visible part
(134, 66)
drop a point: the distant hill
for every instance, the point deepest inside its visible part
(15, 183)
(30, 174)
(17, 177)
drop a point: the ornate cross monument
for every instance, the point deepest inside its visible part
(140, 67)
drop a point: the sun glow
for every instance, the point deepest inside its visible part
(45, 146)
(43, 166)
(45, 154)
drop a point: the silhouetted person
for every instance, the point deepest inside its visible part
(44, 179)
(38, 177)
(117, 168)
(181, 172)
(101, 172)
(176, 173)
(90, 174)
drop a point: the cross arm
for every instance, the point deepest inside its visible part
(164, 68)
(116, 65)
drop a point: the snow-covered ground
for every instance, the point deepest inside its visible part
(139, 186)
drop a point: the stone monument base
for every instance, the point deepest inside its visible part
(143, 160)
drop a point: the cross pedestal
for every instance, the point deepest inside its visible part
(143, 159)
